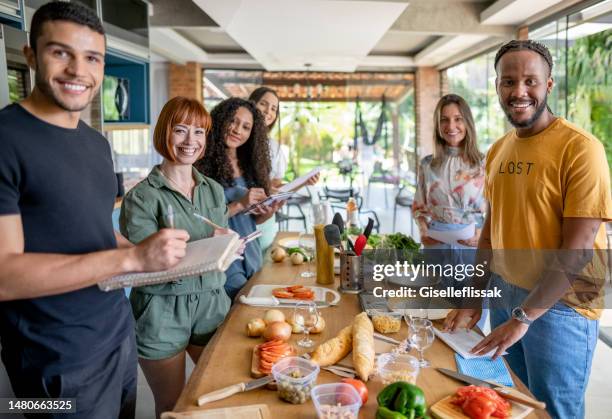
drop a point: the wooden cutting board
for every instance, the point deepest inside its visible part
(254, 411)
(255, 373)
(444, 409)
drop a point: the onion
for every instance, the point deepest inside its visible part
(278, 254)
(273, 315)
(278, 330)
(255, 327)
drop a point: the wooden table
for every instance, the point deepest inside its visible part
(227, 358)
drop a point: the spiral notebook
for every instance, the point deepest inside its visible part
(205, 255)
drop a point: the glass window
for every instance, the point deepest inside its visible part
(133, 154)
(18, 88)
(317, 115)
(474, 80)
(580, 45)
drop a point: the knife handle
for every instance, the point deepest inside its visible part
(517, 396)
(221, 394)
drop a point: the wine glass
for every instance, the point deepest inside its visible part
(306, 316)
(421, 336)
(307, 243)
(410, 314)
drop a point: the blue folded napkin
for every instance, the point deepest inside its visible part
(485, 369)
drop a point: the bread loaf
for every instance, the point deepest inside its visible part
(332, 351)
(363, 346)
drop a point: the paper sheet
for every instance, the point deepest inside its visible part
(452, 236)
(461, 341)
(299, 182)
(281, 196)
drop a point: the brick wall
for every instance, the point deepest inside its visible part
(185, 80)
(522, 33)
(427, 94)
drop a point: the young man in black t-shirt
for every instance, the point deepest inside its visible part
(61, 336)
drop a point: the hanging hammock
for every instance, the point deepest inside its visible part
(361, 130)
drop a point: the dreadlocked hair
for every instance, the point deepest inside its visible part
(253, 155)
(516, 45)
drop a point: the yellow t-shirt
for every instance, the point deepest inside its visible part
(531, 185)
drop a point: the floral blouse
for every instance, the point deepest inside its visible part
(450, 192)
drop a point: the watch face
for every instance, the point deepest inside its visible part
(517, 313)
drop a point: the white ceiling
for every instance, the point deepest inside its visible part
(513, 12)
(282, 35)
(337, 35)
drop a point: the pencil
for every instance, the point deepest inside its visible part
(207, 221)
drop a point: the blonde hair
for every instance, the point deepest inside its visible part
(469, 146)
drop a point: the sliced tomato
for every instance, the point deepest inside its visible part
(295, 287)
(269, 357)
(465, 396)
(282, 294)
(307, 297)
(479, 406)
(274, 342)
(277, 350)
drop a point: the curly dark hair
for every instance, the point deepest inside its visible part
(61, 10)
(253, 155)
(516, 45)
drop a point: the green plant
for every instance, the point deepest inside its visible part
(590, 87)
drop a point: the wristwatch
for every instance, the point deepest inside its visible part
(519, 314)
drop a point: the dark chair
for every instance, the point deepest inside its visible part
(340, 195)
(284, 216)
(404, 198)
(338, 199)
(380, 175)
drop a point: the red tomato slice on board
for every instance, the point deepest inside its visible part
(281, 293)
(479, 407)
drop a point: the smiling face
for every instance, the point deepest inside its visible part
(69, 63)
(523, 84)
(188, 143)
(452, 126)
(239, 129)
(268, 106)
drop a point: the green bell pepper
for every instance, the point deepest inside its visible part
(384, 413)
(405, 398)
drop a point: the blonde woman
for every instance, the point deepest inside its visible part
(451, 180)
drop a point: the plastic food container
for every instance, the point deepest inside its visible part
(295, 377)
(386, 322)
(336, 401)
(394, 367)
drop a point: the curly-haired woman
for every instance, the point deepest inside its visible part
(238, 157)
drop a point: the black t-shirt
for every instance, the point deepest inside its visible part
(61, 181)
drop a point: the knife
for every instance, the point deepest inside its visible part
(276, 302)
(506, 392)
(234, 389)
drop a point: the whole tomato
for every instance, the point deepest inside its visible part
(359, 386)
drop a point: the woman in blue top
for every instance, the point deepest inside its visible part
(238, 157)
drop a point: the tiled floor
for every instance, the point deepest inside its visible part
(599, 391)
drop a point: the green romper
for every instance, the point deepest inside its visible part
(173, 315)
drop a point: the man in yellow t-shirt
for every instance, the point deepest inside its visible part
(548, 188)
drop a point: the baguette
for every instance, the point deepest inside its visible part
(332, 351)
(363, 346)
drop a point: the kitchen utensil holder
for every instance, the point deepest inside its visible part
(351, 273)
